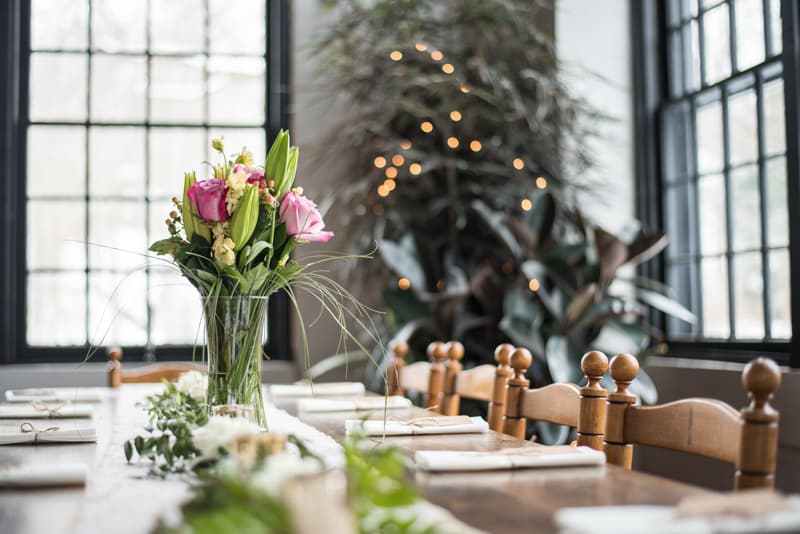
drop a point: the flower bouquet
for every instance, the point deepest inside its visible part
(231, 236)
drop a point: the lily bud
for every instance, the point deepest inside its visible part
(217, 144)
(245, 216)
(189, 179)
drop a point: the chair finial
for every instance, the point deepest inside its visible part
(114, 353)
(624, 368)
(398, 348)
(455, 350)
(502, 354)
(761, 378)
(594, 365)
(436, 351)
(521, 360)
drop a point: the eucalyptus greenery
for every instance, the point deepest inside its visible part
(462, 151)
(168, 442)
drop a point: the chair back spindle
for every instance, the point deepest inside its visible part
(398, 349)
(437, 354)
(503, 372)
(514, 423)
(592, 419)
(450, 397)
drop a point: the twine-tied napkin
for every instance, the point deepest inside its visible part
(510, 458)
(43, 475)
(28, 433)
(352, 404)
(424, 425)
(41, 410)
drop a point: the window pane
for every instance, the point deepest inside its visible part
(716, 312)
(177, 92)
(58, 87)
(780, 295)
(676, 142)
(116, 161)
(746, 204)
(249, 20)
(692, 36)
(777, 203)
(716, 28)
(59, 24)
(710, 154)
(174, 151)
(679, 278)
(117, 235)
(56, 309)
(56, 238)
(117, 311)
(177, 26)
(119, 25)
(749, 295)
(774, 118)
(742, 123)
(711, 203)
(234, 84)
(119, 85)
(177, 316)
(679, 220)
(749, 32)
(56, 160)
(777, 28)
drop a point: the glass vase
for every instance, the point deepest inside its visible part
(236, 333)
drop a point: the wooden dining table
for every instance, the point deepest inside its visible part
(120, 498)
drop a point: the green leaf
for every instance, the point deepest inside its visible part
(277, 159)
(187, 207)
(405, 305)
(558, 361)
(666, 305)
(495, 223)
(128, 450)
(257, 248)
(166, 246)
(403, 259)
(644, 388)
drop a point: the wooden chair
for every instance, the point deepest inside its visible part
(444, 383)
(706, 427)
(583, 408)
(150, 373)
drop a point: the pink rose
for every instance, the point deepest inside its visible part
(255, 175)
(303, 220)
(208, 196)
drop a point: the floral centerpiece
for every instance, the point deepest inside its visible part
(231, 236)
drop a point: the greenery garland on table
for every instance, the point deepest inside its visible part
(228, 497)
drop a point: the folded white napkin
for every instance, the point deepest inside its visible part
(54, 395)
(331, 389)
(516, 458)
(314, 404)
(419, 426)
(39, 433)
(43, 475)
(665, 520)
(39, 410)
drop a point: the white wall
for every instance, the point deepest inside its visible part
(593, 42)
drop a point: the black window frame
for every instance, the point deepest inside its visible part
(14, 92)
(649, 30)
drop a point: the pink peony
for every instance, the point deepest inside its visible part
(303, 220)
(208, 196)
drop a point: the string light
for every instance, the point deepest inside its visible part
(415, 169)
(426, 127)
(398, 160)
(519, 164)
(380, 162)
(533, 285)
(526, 204)
(405, 144)
(390, 184)
(447, 68)
(452, 142)
(391, 172)
(465, 89)
(404, 284)
(396, 55)
(475, 145)
(421, 47)
(440, 284)
(541, 182)
(383, 191)
(436, 55)
(455, 116)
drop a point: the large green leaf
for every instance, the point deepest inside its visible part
(562, 368)
(495, 222)
(644, 388)
(666, 305)
(405, 305)
(402, 258)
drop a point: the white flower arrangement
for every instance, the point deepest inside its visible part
(280, 468)
(194, 384)
(219, 433)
